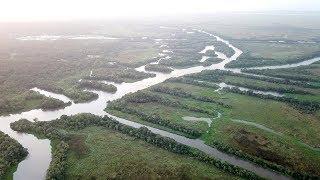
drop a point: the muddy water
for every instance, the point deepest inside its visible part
(36, 164)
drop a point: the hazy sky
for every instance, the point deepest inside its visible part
(30, 10)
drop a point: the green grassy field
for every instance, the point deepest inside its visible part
(110, 154)
(269, 128)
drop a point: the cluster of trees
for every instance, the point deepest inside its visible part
(21, 103)
(122, 75)
(10, 106)
(212, 60)
(79, 96)
(11, 153)
(74, 93)
(39, 127)
(246, 60)
(222, 47)
(177, 61)
(207, 75)
(58, 163)
(158, 68)
(57, 167)
(303, 105)
(49, 103)
(97, 86)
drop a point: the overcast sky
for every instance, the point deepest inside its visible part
(31, 10)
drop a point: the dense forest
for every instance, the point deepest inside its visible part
(158, 68)
(11, 153)
(97, 86)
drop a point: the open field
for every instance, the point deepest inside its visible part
(276, 137)
(130, 158)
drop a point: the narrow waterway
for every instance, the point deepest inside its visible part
(40, 150)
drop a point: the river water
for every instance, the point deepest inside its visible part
(35, 165)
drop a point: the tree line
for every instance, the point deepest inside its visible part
(247, 60)
(217, 76)
(290, 90)
(58, 163)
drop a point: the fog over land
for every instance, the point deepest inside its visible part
(42, 10)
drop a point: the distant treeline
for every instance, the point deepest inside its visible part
(246, 60)
(217, 76)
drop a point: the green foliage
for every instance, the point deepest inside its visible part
(11, 153)
(51, 103)
(97, 86)
(303, 105)
(58, 163)
(81, 121)
(158, 68)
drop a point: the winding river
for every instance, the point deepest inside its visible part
(35, 165)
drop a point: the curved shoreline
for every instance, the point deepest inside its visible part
(97, 107)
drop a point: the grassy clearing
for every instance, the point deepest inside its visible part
(271, 146)
(111, 154)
